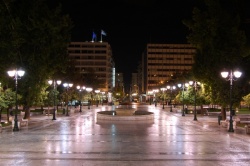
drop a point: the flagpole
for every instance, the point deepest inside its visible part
(102, 33)
(92, 37)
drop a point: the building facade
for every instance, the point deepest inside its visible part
(134, 83)
(161, 61)
(95, 58)
(119, 83)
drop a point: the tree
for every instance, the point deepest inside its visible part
(215, 32)
(247, 100)
(7, 100)
(34, 37)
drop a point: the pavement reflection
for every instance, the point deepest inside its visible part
(78, 139)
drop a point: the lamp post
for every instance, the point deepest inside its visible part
(182, 86)
(102, 97)
(231, 76)
(97, 91)
(195, 84)
(150, 93)
(171, 89)
(80, 90)
(67, 86)
(16, 74)
(55, 83)
(89, 90)
(163, 92)
(155, 91)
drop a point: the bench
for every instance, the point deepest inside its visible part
(225, 123)
(244, 119)
(21, 122)
(85, 103)
(48, 111)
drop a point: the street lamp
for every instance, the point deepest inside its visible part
(16, 74)
(89, 90)
(163, 92)
(80, 90)
(171, 89)
(183, 85)
(231, 76)
(55, 83)
(97, 101)
(67, 86)
(150, 93)
(195, 84)
(102, 97)
(155, 91)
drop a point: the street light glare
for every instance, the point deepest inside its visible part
(97, 91)
(89, 89)
(65, 84)
(224, 74)
(11, 73)
(58, 82)
(237, 74)
(50, 82)
(20, 73)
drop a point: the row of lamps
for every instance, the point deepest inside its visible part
(230, 76)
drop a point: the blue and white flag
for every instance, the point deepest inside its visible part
(93, 36)
(103, 33)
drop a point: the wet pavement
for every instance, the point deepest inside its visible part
(79, 139)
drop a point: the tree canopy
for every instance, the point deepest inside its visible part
(33, 37)
(215, 30)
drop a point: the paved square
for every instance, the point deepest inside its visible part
(78, 139)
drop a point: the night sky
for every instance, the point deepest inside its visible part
(130, 25)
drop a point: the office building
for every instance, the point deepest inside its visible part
(160, 62)
(95, 59)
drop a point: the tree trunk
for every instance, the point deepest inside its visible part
(26, 109)
(0, 115)
(8, 114)
(202, 110)
(223, 113)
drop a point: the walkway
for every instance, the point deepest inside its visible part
(78, 140)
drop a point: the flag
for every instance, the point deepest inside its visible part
(103, 33)
(93, 36)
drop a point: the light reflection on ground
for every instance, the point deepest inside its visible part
(171, 140)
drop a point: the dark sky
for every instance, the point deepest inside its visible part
(130, 25)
